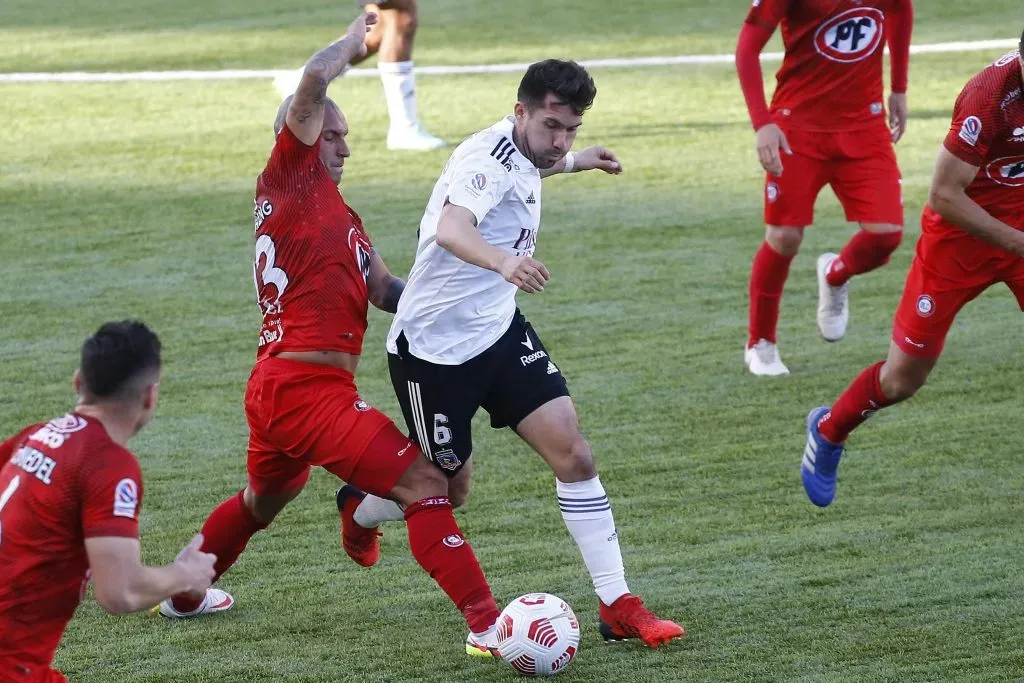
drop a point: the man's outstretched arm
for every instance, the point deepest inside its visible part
(305, 116)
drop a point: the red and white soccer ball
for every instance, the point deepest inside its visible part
(538, 634)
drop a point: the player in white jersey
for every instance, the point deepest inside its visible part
(459, 343)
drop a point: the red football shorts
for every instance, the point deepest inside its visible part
(950, 268)
(860, 165)
(303, 415)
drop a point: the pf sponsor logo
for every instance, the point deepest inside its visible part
(771, 191)
(1007, 171)
(453, 541)
(970, 130)
(850, 36)
(126, 498)
(925, 306)
(479, 182)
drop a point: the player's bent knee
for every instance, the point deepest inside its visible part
(421, 480)
(784, 240)
(576, 463)
(882, 228)
(900, 383)
(265, 508)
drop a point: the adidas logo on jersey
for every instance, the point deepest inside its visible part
(551, 368)
(530, 199)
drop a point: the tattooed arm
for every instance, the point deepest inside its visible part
(306, 112)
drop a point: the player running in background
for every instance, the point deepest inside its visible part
(972, 237)
(70, 494)
(826, 125)
(459, 343)
(315, 271)
(391, 39)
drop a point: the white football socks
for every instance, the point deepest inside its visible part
(588, 516)
(399, 82)
(373, 510)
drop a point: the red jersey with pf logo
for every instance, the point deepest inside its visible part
(831, 75)
(312, 256)
(60, 483)
(988, 132)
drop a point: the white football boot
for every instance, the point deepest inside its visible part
(413, 137)
(215, 601)
(483, 644)
(833, 302)
(762, 359)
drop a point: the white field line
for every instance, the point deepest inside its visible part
(627, 62)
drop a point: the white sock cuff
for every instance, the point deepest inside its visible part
(583, 499)
(395, 67)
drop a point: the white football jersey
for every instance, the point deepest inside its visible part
(451, 310)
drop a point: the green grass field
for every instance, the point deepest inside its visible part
(135, 199)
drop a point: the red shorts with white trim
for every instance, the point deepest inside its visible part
(303, 415)
(860, 165)
(950, 268)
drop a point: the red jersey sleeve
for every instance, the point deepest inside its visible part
(291, 156)
(974, 126)
(767, 13)
(901, 25)
(111, 490)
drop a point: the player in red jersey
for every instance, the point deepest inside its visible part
(315, 272)
(972, 237)
(69, 508)
(826, 125)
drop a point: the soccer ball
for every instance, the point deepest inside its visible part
(538, 634)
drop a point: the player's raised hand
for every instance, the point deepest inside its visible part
(358, 29)
(597, 157)
(898, 114)
(770, 140)
(196, 566)
(528, 274)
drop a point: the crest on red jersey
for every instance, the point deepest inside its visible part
(1007, 171)
(850, 36)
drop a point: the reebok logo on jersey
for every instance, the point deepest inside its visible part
(126, 498)
(970, 130)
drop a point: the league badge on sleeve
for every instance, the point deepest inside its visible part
(970, 130)
(126, 498)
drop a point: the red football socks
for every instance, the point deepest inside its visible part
(225, 534)
(437, 544)
(859, 402)
(864, 252)
(767, 279)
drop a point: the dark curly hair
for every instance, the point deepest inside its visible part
(567, 81)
